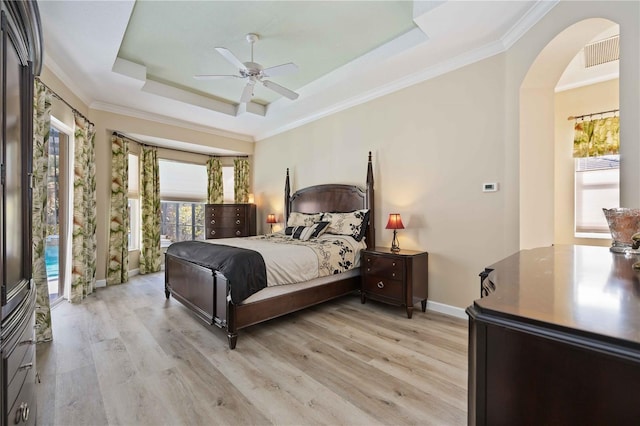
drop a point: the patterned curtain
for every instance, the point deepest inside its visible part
(83, 245)
(595, 138)
(118, 266)
(150, 255)
(41, 126)
(241, 180)
(215, 193)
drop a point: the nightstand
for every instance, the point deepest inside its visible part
(396, 278)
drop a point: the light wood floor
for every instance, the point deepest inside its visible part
(128, 356)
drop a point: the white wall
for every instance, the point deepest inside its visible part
(435, 143)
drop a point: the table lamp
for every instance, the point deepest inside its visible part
(271, 219)
(395, 223)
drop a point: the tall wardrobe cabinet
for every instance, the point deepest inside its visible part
(20, 60)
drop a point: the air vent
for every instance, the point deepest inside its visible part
(602, 51)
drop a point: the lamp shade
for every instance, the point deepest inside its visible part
(271, 218)
(395, 221)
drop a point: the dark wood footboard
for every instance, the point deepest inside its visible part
(205, 293)
(198, 288)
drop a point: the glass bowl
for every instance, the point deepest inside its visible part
(623, 223)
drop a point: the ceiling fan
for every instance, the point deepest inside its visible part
(254, 72)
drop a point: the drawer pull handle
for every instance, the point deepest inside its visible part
(368, 269)
(27, 342)
(238, 222)
(238, 233)
(380, 284)
(393, 274)
(213, 232)
(394, 263)
(25, 413)
(27, 366)
(213, 221)
(22, 413)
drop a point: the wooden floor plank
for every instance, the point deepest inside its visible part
(127, 355)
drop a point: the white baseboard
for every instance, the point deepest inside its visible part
(101, 283)
(447, 309)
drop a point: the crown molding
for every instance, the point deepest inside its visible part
(527, 21)
(162, 119)
(524, 24)
(66, 80)
(457, 62)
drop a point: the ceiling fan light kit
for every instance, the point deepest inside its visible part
(254, 72)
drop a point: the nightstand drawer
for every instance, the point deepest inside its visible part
(383, 287)
(387, 267)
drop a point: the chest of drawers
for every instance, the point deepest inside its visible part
(230, 220)
(395, 278)
(18, 365)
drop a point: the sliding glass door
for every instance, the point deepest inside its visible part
(57, 212)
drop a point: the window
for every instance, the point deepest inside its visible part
(182, 221)
(228, 187)
(183, 181)
(134, 203)
(183, 192)
(597, 185)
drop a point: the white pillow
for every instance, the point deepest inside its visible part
(303, 219)
(352, 223)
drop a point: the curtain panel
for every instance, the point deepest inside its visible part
(118, 264)
(594, 138)
(83, 245)
(150, 255)
(41, 125)
(215, 193)
(241, 180)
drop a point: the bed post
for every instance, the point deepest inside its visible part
(371, 229)
(287, 198)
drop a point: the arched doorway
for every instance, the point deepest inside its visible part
(539, 175)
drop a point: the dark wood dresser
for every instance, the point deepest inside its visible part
(21, 58)
(396, 278)
(230, 220)
(556, 339)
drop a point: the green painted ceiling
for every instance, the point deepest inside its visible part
(175, 39)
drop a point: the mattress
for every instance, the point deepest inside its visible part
(279, 290)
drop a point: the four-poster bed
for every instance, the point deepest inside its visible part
(207, 292)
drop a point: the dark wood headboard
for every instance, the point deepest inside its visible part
(334, 197)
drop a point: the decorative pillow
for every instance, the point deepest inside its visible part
(305, 233)
(303, 219)
(352, 223)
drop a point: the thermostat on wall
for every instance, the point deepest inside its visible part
(490, 187)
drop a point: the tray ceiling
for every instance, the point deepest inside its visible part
(138, 58)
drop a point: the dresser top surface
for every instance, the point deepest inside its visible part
(583, 288)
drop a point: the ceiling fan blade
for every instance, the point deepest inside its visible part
(280, 89)
(214, 76)
(283, 69)
(226, 53)
(247, 93)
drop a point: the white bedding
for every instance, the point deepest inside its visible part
(290, 261)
